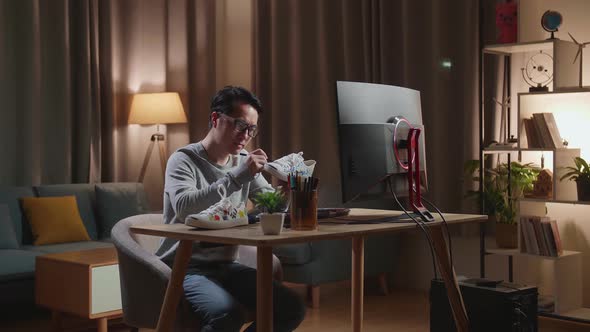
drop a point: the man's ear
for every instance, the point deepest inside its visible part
(214, 119)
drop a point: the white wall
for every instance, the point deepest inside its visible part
(575, 17)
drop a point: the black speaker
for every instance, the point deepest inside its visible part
(492, 308)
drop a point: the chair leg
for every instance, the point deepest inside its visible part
(56, 318)
(383, 283)
(313, 296)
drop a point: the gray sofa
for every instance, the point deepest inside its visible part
(101, 206)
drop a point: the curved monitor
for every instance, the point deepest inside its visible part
(365, 133)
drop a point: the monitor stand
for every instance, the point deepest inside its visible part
(415, 196)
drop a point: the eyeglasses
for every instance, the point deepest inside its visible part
(242, 126)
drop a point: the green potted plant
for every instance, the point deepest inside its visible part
(272, 205)
(499, 204)
(581, 174)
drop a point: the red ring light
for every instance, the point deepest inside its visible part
(398, 120)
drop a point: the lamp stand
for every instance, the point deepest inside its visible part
(157, 138)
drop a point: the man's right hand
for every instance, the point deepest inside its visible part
(256, 160)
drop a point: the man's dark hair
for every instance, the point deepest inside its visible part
(226, 100)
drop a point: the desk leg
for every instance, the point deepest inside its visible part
(174, 290)
(264, 310)
(448, 274)
(358, 275)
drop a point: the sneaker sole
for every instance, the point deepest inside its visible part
(275, 172)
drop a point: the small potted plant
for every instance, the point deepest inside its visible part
(581, 174)
(500, 204)
(272, 205)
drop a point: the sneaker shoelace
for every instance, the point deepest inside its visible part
(290, 162)
(223, 205)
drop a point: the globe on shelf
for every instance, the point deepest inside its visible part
(551, 21)
(538, 72)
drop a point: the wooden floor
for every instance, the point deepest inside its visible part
(400, 311)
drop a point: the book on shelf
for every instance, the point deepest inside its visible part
(543, 129)
(556, 236)
(553, 130)
(528, 234)
(542, 132)
(533, 137)
(539, 236)
(548, 239)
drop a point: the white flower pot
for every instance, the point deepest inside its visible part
(272, 224)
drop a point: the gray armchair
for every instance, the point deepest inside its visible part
(144, 276)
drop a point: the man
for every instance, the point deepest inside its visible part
(200, 177)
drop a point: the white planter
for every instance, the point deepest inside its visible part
(272, 224)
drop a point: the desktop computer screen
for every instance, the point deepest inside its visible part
(365, 128)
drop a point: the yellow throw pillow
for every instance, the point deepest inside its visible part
(54, 219)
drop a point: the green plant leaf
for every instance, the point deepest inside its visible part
(471, 166)
(579, 172)
(578, 162)
(569, 175)
(270, 201)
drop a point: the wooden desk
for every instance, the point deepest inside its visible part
(252, 235)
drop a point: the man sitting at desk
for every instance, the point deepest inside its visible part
(218, 174)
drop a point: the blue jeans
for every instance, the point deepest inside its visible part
(217, 294)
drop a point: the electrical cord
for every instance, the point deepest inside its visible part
(420, 224)
(519, 324)
(446, 226)
(373, 185)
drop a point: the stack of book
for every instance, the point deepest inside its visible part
(542, 132)
(539, 236)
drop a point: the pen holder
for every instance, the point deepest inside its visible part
(304, 207)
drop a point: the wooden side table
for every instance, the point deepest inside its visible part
(82, 283)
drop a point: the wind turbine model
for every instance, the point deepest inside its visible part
(579, 54)
(505, 105)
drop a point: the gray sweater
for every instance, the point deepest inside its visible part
(190, 187)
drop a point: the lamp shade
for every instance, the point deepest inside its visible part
(156, 108)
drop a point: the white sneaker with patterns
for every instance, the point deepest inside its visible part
(222, 214)
(292, 163)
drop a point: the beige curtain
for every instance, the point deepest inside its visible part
(69, 69)
(303, 47)
(153, 46)
(49, 90)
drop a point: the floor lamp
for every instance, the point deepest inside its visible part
(156, 108)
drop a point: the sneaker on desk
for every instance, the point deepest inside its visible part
(291, 163)
(223, 214)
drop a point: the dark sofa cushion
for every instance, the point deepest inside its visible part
(84, 197)
(293, 254)
(17, 264)
(10, 196)
(116, 201)
(8, 238)
(71, 246)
